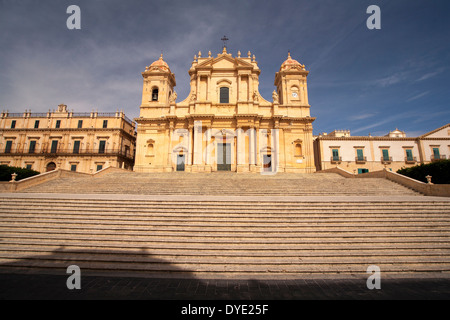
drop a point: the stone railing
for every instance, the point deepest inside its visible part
(38, 179)
(13, 186)
(428, 189)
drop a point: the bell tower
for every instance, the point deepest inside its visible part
(159, 82)
(291, 84)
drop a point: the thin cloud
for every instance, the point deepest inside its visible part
(423, 94)
(362, 116)
(430, 75)
(391, 80)
(402, 116)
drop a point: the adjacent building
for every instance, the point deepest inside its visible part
(83, 142)
(392, 151)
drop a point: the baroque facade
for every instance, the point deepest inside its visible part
(83, 142)
(225, 124)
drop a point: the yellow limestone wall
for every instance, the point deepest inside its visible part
(196, 128)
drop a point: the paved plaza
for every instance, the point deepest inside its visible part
(42, 286)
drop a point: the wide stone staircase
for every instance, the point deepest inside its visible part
(219, 183)
(214, 238)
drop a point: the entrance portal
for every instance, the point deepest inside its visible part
(223, 157)
(181, 161)
(267, 163)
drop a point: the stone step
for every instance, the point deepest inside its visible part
(219, 184)
(227, 249)
(39, 249)
(219, 236)
(153, 266)
(175, 224)
(231, 241)
(214, 260)
(361, 248)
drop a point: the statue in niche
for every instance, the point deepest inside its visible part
(193, 97)
(275, 97)
(173, 97)
(255, 96)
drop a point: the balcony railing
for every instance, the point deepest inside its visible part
(438, 158)
(361, 159)
(70, 152)
(386, 159)
(336, 159)
(410, 160)
(70, 115)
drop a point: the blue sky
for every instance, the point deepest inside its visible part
(367, 81)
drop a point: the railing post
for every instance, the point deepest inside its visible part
(13, 177)
(429, 179)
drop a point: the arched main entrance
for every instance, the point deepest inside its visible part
(51, 166)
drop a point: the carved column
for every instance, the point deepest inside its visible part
(240, 149)
(197, 143)
(252, 149)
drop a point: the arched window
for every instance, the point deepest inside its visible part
(155, 94)
(51, 166)
(224, 95)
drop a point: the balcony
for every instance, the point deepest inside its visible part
(361, 159)
(336, 159)
(70, 152)
(386, 160)
(435, 158)
(410, 160)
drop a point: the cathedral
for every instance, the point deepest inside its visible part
(225, 124)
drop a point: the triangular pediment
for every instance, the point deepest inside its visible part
(442, 132)
(224, 61)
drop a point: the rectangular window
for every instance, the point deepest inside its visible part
(13, 124)
(361, 171)
(105, 124)
(76, 146)
(360, 154)
(102, 146)
(29, 166)
(409, 155)
(99, 167)
(224, 95)
(80, 124)
(8, 146)
(436, 153)
(36, 124)
(385, 154)
(58, 124)
(335, 154)
(54, 146)
(32, 148)
(73, 167)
